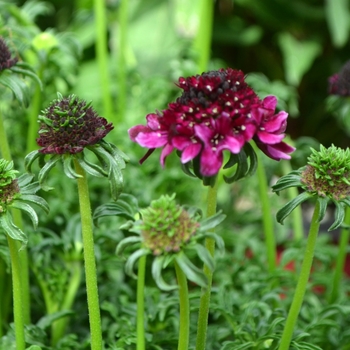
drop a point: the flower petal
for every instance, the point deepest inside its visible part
(211, 162)
(152, 139)
(190, 152)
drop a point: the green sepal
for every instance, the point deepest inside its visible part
(28, 210)
(339, 215)
(192, 272)
(205, 256)
(211, 222)
(209, 181)
(129, 265)
(24, 180)
(126, 206)
(68, 167)
(323, 202)
(45, 170)
(218, 240)
(91, 168)
(32, 198)
(157, 267)
(19, 68)
(125, 242)
(292, 179)
(11, 229)
(30, 158)
(196, 165)
(186, 168)
(291, 205)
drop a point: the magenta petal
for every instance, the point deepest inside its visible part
(190, 152)
(276, 123)
(153, 121)
(231, 144)
(152, 139)
(181, 142)
(135, 130)
(210, 162)
(270, 102)
(270, 139)
(203, 132)
(278, 151)
(165, 152)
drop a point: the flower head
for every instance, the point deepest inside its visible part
(6, 61)
(70, 124)
(166, 231)
(326, 177)
(217, 111)
(69, 127)
(17, 193)
(339, 83)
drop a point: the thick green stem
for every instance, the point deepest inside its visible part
(302, 282)
(202, 43)
(205, 296)
(89, 259)
(17, 294)
(17, 219)
(339, 267)
(266, 216)
(184, 333)
(141, 303)
(102, 55)
(121, 69)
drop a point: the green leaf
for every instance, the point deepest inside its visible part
(46, 321)
(211, 222)
(30, 158)
(11, 229)
(205, 256)
(323, 202)
(91, 168)
(192, 272)
(290, 180)
(129, 266)
(125, 242)
(24, 180)
(291, 205)
(32, 198)
(16, 85)
(45, 170)
(28, 210)
(19, 70)
(298, 56)
(68, 167)
(338, 20)
(157, 267)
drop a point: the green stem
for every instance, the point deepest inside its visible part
(17, 219)
(102, 55)
(121, 69)
(339, 267)
(205, 296)
(60, 325)
(302, 282)
(202, 43)
(141, 303)
(89, 259)
(17, 294)
(266, 215)
(184, 334)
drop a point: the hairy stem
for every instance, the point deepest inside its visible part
(302, 282)
(89, 259)
(141, 303)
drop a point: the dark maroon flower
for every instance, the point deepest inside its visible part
(270, 130)
(68, 125)
(213, 114)
(5, 56)
(339, 83)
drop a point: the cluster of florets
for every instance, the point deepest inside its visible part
(166, 227)
(68, 125)
(339, 83)
(328, 173)
(217, 111)
(6, 61)
(9, 188)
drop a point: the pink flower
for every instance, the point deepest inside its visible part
(270, 130)
(213, 114)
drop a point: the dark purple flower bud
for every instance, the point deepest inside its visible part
(6, 61)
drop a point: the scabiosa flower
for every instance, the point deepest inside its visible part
(17, 193)
(6, 61)
(214, 113)
(326, 177)
(69, 127)
(167, 231)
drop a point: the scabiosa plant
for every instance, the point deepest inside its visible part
(68, 128)
(325, 178)
(17, 193)
(167, 231)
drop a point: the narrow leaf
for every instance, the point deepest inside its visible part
(157, 267)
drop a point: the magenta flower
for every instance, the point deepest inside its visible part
(217, 111)
(339, 83)
(270, 130)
